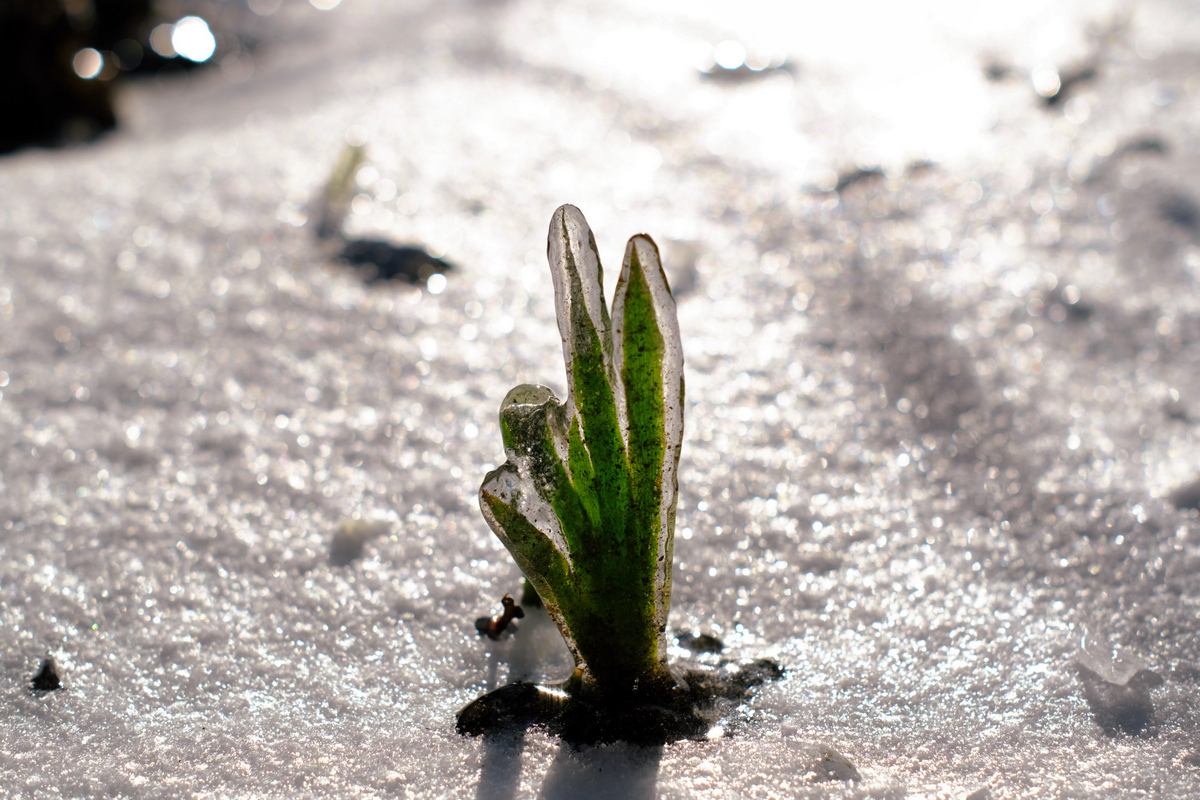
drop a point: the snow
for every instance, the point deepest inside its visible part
(933, 420)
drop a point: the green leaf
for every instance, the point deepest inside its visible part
(648, 352)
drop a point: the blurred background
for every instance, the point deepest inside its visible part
(901, 82)
(61, 59)
(819, 97)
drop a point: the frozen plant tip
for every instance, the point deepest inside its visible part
(586, 501)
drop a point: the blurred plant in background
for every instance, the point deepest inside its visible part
(59, 58)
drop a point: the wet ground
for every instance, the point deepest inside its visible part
(937, 282)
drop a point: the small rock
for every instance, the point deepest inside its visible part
(755, 673)
(1117, 691)
(700, 642)
(827, 764)
(351, 536)
(47, 679)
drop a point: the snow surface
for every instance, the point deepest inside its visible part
(933, 419)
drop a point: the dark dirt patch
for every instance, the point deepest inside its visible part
(381, 261)
(688, 711)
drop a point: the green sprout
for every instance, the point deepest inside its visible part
(586, 500)
(586, 505)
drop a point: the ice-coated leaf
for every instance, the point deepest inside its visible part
(649, 356)
(586, 501)
(592, 385)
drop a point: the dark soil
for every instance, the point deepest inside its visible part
(689, 711)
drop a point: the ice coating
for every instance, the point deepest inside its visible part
(578, 280)
(530, 399)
